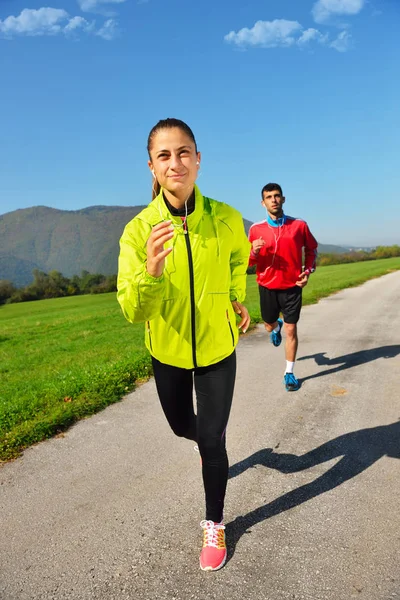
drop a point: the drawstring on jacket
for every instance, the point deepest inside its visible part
(215, 225)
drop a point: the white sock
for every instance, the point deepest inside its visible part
(289, 366)
(277, 329)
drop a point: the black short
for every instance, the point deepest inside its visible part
(287, 302)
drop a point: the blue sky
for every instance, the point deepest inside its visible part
(305, 93)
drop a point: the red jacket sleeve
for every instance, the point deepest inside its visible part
(310, 250)
(252, 257)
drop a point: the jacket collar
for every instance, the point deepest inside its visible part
(192, 220)
(276, 222)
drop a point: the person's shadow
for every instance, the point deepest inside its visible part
(358, 451)
(348, 361)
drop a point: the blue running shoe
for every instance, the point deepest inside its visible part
(291, 383)
(276, 337)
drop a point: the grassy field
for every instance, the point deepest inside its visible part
(63, 359)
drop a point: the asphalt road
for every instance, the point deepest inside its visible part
(111, 509)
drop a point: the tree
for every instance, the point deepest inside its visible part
(7, 289)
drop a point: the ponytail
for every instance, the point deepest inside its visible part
(155, 190)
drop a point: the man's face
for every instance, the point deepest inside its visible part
(273, 202)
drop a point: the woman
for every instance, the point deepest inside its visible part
(182, 270)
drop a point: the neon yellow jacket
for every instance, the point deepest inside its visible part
(188, 312)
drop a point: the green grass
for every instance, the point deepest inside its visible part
(60, 360)
(64, 359)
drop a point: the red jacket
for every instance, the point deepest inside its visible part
(280, 260)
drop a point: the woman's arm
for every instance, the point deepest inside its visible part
(239, 259)
(139, 293)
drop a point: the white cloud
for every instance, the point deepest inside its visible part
(109, 30)
(78, 23)
(342, 42)
(52, 21)
(323, 10)
(270, 34)
(43, 21)
(267, 34)
(98, 6)
(312, 35)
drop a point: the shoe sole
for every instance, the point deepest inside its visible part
(293, 389)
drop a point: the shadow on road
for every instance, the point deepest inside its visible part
(358, 451)
(347, 361)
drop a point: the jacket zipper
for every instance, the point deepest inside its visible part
(148, 329)
(230, 327)
(191, 280)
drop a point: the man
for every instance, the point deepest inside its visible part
(277, 251)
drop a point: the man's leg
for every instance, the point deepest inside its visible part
(270, 314)
(291, 301)
(292, 341)
(271, 326)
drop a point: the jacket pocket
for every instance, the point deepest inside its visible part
(149, 334)
(230, 327)
(220, 331)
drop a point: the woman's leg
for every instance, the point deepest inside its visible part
(175, 390)
(214, 390)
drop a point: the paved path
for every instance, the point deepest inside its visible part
(111, 509)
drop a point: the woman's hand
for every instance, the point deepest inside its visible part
(156, 254)
(244, 313)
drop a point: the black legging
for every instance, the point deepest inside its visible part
(214, 390)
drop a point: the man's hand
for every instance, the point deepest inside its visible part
(244, 313)
(257, 245)
(303, 279)
(156, 254)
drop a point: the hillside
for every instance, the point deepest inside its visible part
(67, 241)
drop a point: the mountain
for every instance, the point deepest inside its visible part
(67, 241)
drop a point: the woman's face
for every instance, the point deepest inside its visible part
(174, 161)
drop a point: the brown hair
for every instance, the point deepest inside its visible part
(167, 124)
(271, 187)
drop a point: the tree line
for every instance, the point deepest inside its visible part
(55, 285)
(358, 256)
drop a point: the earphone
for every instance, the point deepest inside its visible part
(277, 238)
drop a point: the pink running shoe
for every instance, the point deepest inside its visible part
(213, 554)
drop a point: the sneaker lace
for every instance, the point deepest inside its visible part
(213, 534)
